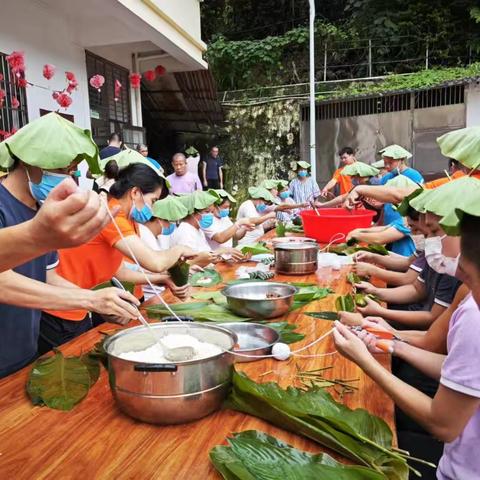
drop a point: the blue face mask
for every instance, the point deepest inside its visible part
(302, 173)
(284, 195)
(206, 220)
(48, 182)
(261, 207)
(224, 212)
(143, 215)
(169, 230)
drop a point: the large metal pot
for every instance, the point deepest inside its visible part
(296, 258)
(170, 393)
(260, 299)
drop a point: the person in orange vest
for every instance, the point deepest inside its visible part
(347, 157)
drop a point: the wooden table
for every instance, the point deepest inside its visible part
(96, 441)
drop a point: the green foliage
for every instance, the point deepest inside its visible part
(246, 63)
(253, 454)
(393, 83)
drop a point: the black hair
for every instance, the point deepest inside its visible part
(453, 163)
(111, 169)
(470, 233)
(114, 137)
(412, 214)
(136, 175)
(345, 150)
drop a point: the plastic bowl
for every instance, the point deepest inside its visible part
(332, 225)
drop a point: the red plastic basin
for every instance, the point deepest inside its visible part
(328, 226)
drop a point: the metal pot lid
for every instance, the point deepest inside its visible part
(296, 246)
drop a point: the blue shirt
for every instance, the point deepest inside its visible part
(109, 151)
(19, 327)
(405, 245)
(213, 167)
(411, 173)
(155, 163)
(304, 191)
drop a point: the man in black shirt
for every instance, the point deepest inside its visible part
(113, 147)
(212, 175)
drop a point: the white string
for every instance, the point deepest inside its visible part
(333, 239)
(134, 258)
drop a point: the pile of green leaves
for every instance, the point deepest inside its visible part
(308, 293)
(252, 454)
(355, 434)
(62, 382)
(345, 249)
(199, 279)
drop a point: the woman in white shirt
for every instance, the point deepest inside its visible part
(254, 209)
(223, 231)
(190, 231)
(157, 232)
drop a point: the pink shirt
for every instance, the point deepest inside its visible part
(187, 183)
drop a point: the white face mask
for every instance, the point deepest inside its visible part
(419, 241)
(435, 258)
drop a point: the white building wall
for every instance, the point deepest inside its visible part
(44, 36)
(473, 105)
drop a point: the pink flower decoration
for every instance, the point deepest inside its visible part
(1, 77)
(97, 81)
(15, 103)
(55, 95)
(48, 71)
(2, 97)
(160, 70)
(135, 79)
(22, 82)
(64, 100)
(16, 60)
(72, 85)
(70, 76)
(118, 89)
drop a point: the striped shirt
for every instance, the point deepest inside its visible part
(304, 191)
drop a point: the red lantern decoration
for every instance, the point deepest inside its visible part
(135, 79)
(16, 61)
(64, 100)
(97, 82)
(118, 90)
(48, 71)
(149, 75)
(15, 103)
(160, 70)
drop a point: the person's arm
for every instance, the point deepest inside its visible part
(152, 260)
(392, 261)
(68, 218)
(220, 175)
(394, 279)
(377, 235)
(204, 173)
(125, 274)
(435, 415)
(28, 293)
(405, 294)
(331, 183)
(335, 202)
(380, 193)
(262, 219)
(230, 232)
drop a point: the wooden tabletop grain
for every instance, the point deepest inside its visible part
(96, 441)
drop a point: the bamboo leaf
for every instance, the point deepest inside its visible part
(253, 455)
(332, 316)
(60, 382)
(129, 286)
(255, 249)
(208, 278)
(286, 331)
(355, 434)
(179, 273)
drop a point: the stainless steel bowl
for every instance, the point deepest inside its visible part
(251, 299)
(170, 393)
(252, 339)
(296, 258)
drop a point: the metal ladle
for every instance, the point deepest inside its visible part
(172, 354)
